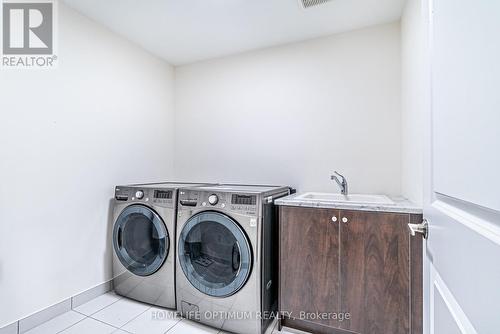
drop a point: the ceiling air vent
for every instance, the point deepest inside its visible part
(311, 3)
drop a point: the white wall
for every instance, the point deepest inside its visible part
(294, 114)
(67, 136)
(414, 99)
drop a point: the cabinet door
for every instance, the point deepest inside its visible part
(375, 285)
(309, 265)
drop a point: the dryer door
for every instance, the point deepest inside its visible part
(140, 240)
(214, 254)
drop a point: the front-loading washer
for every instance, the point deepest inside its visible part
(143, 240)
(227, 256)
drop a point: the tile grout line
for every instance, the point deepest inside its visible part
(102, 322)
(177, 322)
(90, 316)
(137, 316)
(72, 325)
(85, 318)
(99, 310)
(126, 331)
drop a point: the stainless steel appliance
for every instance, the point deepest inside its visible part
(227, 256)
(143, 238)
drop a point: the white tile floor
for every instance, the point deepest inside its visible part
(110, 313)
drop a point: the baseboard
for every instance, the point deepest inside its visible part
(10, 329)
(44, 315)
(25, 324)
(91, 293)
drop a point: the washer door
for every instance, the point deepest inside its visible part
(140, 240)
(214, 254)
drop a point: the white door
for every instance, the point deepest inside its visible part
(462, 195)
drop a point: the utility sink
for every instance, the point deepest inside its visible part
(347, 199)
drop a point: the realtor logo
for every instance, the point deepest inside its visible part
(28, 34)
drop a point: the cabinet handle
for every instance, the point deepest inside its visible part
(345, 220)
(334, 219)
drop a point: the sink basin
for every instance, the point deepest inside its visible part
(354, 198)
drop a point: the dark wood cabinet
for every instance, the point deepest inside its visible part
(375, 285)
(309, 274)
(361, 266)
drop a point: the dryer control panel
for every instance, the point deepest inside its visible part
(240, 203)
(159, 197)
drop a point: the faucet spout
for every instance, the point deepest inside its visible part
(342, 184)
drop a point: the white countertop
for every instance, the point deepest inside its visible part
(400, 205)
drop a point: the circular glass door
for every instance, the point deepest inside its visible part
(140, 240)
(214, 254)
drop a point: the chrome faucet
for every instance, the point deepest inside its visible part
(342, 184)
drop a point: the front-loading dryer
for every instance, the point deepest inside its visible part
(143, 240)
(227, 256)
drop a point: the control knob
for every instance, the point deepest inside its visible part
(213, 199)
(139, 194)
